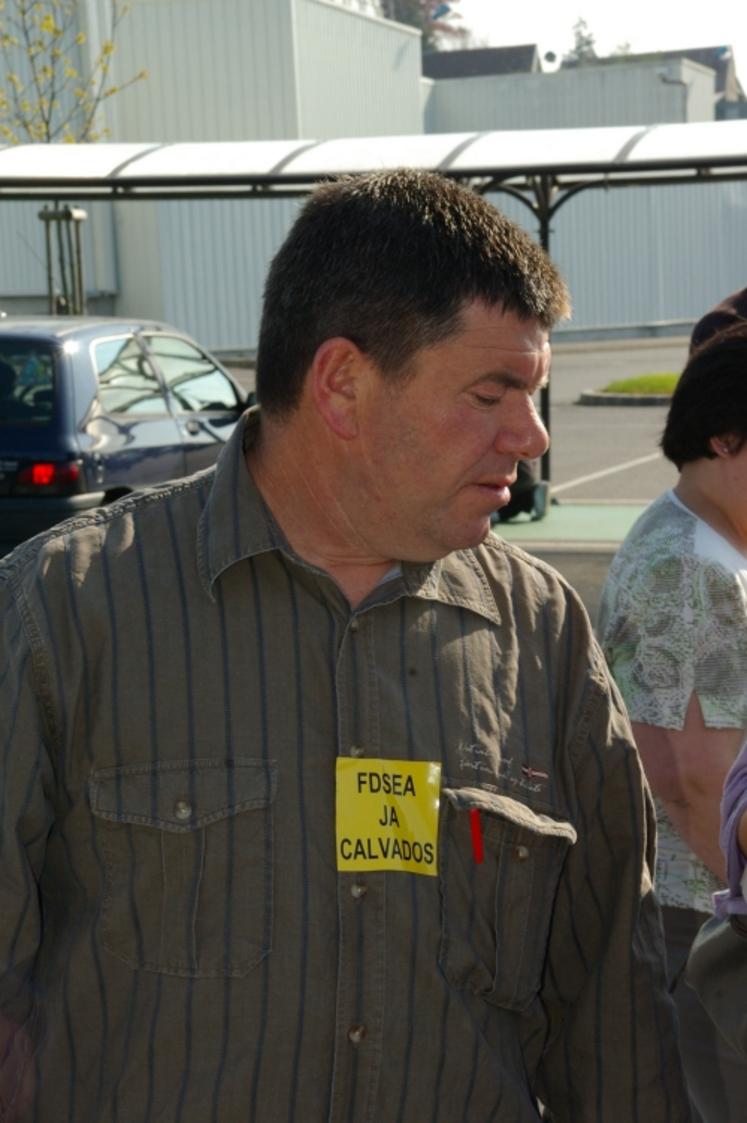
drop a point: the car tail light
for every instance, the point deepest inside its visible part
(48, 477)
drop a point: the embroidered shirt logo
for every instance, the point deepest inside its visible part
(501, 770)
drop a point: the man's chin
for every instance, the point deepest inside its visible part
(448, 537)
(465, 541)
(472, 536)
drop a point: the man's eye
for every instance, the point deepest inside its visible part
(487, 399)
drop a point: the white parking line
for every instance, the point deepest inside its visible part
(606, 472)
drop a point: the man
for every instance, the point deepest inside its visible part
(318, 802)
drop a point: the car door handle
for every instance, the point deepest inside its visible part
(97, 462)
(192, 427)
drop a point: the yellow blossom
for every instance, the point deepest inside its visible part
(48, 25)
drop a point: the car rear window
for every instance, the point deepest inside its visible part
(27, 383)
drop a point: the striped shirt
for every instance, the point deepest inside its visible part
(177, 941)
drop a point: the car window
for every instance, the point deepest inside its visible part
(192, 377)
(127, 381)
(27, 382)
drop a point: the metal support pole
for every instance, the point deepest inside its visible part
(50, 267)
(80, 289)
(67, 230)
(67, 221)
(543, 192)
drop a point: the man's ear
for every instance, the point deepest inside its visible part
(334, 383)
(724, 445)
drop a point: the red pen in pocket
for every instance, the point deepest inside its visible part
(478, 852)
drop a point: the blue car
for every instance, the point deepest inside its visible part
(93, 408)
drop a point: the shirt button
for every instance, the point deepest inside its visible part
(356, 1034)
(183, 810)
(354, 624)
(357, 750)
(521, 853)
(357, 890)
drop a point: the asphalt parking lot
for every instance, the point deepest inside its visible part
(608, 453)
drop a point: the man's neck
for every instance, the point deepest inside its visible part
(310, 502)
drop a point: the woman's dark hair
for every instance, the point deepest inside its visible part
(731, 310)
(710, 398)
(388, 260)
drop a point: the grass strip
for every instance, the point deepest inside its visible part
(662, 382)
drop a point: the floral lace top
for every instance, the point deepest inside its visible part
(673, 622)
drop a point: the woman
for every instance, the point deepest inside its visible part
(673, 625)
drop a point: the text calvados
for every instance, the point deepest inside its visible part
(387, 815)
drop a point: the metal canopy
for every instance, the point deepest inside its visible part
(571, 158)
(543, 168)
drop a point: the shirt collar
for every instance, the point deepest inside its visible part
(458, 579)
(236, 524)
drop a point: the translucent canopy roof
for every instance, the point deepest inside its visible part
(571, 158)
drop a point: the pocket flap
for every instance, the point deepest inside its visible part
(511, 810)
(181, 795)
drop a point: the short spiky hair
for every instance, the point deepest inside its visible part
(388, 260)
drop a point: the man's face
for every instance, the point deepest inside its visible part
(439, 451)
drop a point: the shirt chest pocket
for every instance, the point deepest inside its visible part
(497, 914)
(188, 847)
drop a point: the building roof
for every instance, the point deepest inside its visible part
(718, 59)
(478, 62)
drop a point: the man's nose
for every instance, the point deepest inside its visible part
(523, 434)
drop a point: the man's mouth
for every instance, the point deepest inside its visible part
(498, 490)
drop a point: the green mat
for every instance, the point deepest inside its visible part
(574, 522)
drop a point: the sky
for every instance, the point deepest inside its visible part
(648, 25)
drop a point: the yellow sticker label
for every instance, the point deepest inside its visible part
(387, 815)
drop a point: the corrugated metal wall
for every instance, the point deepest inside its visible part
(23, 270)
(217, 70)
(639, 256)
(141, 250)
(357, 75)
(215, 259)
